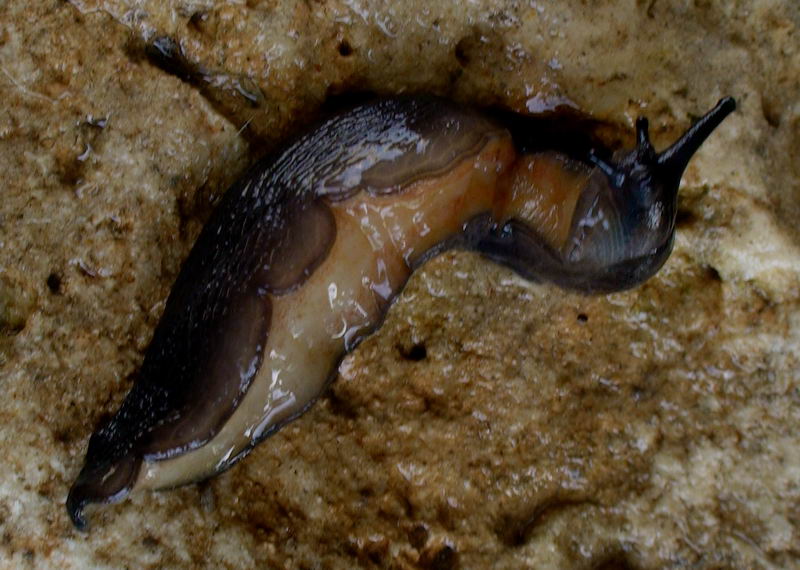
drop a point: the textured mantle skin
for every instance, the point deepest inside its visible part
(489, 421)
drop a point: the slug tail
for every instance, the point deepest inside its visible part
(104, 483)
(75, 506)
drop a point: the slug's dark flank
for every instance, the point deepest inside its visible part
(303, 256)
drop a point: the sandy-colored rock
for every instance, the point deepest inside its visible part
(490, 422)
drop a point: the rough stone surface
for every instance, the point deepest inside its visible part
(490, 422)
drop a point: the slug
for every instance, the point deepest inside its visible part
(303, 256)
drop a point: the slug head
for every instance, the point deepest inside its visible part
(624, 222)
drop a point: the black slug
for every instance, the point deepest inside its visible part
(303, 256)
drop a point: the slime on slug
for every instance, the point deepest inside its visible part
(303, 256)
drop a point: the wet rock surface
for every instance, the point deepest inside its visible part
(490, 422)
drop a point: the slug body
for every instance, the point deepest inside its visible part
(304, 255)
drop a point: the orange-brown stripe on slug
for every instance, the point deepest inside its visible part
(543, 189)
(432, 210)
